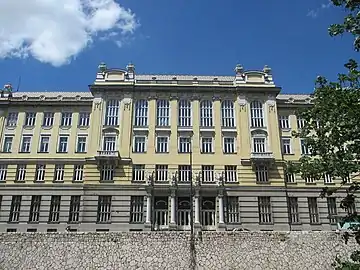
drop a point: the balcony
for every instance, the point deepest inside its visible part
(108, 157)
(262, 157)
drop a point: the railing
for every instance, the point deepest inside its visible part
(262, 155)
(161, 218)
(208, 217)
(108, 153)
(183, 217)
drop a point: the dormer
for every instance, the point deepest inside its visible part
(106, 74)
(253, 77)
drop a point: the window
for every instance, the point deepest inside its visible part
(74, 210)
(206, 145)
(107, 173)
(184, 173)
(184, 144)
(305, 150)
(3, 172)
(206, 113)
(351, 209)
(259, 145)
(313, 210)
(44, 144)
(265, 213)
(63, 144)
(184, 113)
(78, 173)
(262, 174)
(229, 145)
(139, 144)
(81, 144)
(104, 209)
(290, 178)
(141, 113)
(40, 172)
(162, 113)
(293, 210)
(25, 144)
(257, 114)
(161, 173)
(59, 172)
(11, 120)
(66, 118)
(10, 230)
(327, 178)
(331, 203)
(8, 140)
(51, 230)
(30, 118)
(309, 179)
(286, 145)
(227, 114)
(284, 122)
(138, 173)
(112, 113)
(34, 214)
(15, 208)
(207, 173)
(48, 120)
(230, 174)
(300, 122)
(20, 172)
(84, 119)
(54, 214)
(109, 143)
(162, 144)
(232, 209)
(136, 209)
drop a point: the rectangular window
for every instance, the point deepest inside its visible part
(290, 178)
(184, 173)
(15, 208)
(313, 210)
(162, 113)
(227, 114)
(207, 173)
(184, 113)
(257, 114)
(74, 210)
(40, 172)
(30, 118)
(293, 210)
(139, 144)
(34, 214)
(25, 144)
(232, 209)
(8, 141)
(54, 214)
(231, 174)
(66, 118)
(206, 113)
(286, 146)
(328, 179)
(63, 144)
(305, 150)
(300, 123)
(104, 209)
(44, 144)
(48, 119)
(138, 172)
(109, 143)
(162, 144)
(84, 119)
(259, 145)
(184, 144)
(112, 113)
(107, 173)
(161, 173)
(20, 172)
(206, 145)
(284, 122)
(265, 212)
(262, 173)
(309, 179)
(78, 173)
(229, 145)
(137, 209)
(11, 120)
(141, 113)
(81, 144)
(332, 210)
(3, 172)
(59, 172)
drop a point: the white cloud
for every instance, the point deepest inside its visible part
(55, 31)
(315, 12)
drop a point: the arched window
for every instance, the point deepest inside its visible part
(141, 113)
(227, 114)
(257, 114)
(206, 113)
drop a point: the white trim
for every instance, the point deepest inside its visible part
(146, 143)
(235, 144)
(167, 146)
(86, 143)
(291, 145)
(212, 144)
(39, 146)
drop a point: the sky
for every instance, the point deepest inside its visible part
(57, 45)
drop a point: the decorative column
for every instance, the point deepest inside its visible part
(148, 209)
(173, 211)
(221, 223)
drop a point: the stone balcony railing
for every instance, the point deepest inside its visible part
(262, 155)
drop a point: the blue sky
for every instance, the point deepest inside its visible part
(198, 37)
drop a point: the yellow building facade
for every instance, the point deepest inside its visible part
(158, 152)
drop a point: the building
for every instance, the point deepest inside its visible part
(120, 156)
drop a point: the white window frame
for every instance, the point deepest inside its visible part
(78, 175)
(300, 122)
(206, 114)
(257, 114)
(256, 149)
(184, 172)
(48, 119)
(303, 147)
(202, 145)
(163, 110)
(20, 172)
(328, 179)
(289, 146)
(40, 172)
(82, 149)
(138, 173)
(185, 114)
(84, 119)
(162, 147)
(230, 174)
(141, 113)
(59, 172)
(3, 172)
(161, 173)
(228, 119)
(111, 114)
(109, 146)
(208, 173)
(225, 148)
(66, 119)
(136, 149)
(42, 136)
(184, 147)
(12, 119)
(290, 177)
(28, 149)
(262, 173)
(30, 119)
(59, 146)
(107, 172)
(284, 122)
(8, 144)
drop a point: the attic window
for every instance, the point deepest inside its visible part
(174, 78)
(195, 78)
(153, 78)
(215, 79)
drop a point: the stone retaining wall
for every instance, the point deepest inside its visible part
(171, 250)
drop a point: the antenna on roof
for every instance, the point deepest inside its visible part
(18, 86)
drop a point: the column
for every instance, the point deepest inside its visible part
(172, 217)
(197, 219)
(148, 208)
(221, 209)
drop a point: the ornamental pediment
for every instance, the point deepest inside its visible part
(254, 77)
(115, 75)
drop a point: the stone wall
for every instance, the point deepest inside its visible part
(171, 250)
